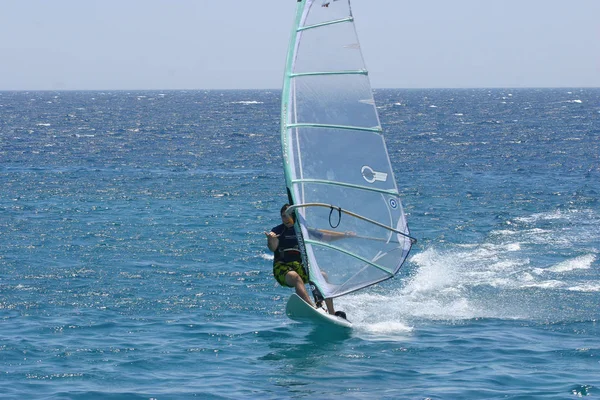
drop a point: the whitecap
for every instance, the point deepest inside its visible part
(247, 102)
(504, 232)
(545, 216)
(266, 256)
(549, 284)
(513, 247)
(586, 287)
(581, 262)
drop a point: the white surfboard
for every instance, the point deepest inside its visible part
(299, 310)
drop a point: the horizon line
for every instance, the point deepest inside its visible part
(279, 89)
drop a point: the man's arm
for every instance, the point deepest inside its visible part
(272, 241)
(330, 236)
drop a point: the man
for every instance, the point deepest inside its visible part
(287, 263)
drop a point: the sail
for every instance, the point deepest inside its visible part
(350, 222)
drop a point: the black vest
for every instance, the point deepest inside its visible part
(288, 249)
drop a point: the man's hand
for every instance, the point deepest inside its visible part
(272, 240)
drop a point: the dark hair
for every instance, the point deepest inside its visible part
(285, 207)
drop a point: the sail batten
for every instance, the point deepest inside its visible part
(331, 126)
(339, 21)
(337, 168)
(354, 72)
(392, 192)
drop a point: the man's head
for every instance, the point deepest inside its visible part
(288, 220)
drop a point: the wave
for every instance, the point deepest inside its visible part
(544, 216)
(581, 262)
(558, 229)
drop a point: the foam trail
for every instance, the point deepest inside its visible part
(517, 273)
(433, 292)
(387, 322)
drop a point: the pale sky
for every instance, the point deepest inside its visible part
(242, 44)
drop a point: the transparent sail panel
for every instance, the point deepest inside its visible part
(338, 99)
(342, 156)
(329, 48)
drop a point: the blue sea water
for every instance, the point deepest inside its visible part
(133, 263)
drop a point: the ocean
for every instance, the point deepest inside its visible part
(133, 263)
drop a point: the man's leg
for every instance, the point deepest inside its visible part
(329, 303)
(294, 280)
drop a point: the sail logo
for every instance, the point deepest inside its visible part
(372, 176)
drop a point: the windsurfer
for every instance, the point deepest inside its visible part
(287, 263)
